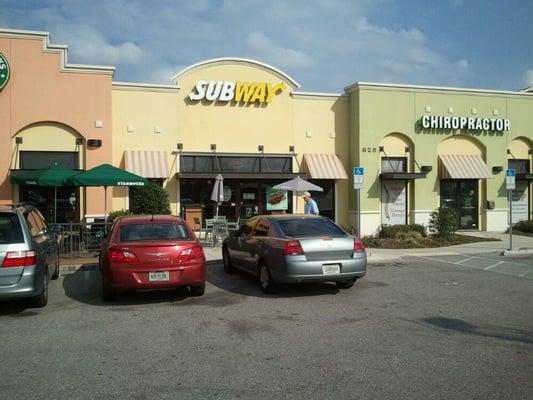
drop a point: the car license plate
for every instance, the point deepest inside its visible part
(159, 276)
(331, 269)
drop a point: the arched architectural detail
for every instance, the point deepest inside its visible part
(462, 145)
(519, 148)
(47, 136)
(235, 60)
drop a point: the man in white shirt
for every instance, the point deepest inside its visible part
(310, 205)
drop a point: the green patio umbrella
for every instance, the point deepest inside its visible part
(54, 176)
(106, 175)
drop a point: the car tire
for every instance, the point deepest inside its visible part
(197, 291)
(108, 294)
(265, 279)
(345, 284)
(55, 275)
(226, 260)
(42, 299)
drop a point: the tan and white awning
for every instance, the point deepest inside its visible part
(462, 166)
(324, 166)
(148, 164)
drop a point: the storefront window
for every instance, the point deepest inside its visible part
(393, 192)
(326, 199)
(235, 164)
(44, 159)
(242, 198)
(521, 192)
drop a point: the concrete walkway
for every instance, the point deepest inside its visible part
(522, 245)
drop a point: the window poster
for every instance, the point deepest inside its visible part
(520, 201)
(276, 200)
(393, 202)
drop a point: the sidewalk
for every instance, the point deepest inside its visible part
(522, 246)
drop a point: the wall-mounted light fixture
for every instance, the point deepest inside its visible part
(407, 149)
(497, 169)
(18, 140)
(179, 146)
(261, 148)
(381, 149)
(213, 147)
(426, 169)
(291, 149)
(508, 151)
(79, 141)
(94, 142)
(530, 151)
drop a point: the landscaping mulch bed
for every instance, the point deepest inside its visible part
(423, 242)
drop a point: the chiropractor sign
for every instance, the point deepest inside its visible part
(236, 91)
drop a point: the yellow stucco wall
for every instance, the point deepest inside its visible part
(233, 127)
(137, 114)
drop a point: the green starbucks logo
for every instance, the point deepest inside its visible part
(4, 71)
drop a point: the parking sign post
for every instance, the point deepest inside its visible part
(358, 184)
(510, 177)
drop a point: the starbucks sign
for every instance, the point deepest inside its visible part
(4, 71)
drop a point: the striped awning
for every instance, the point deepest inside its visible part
(148, 164)
(462, 166)
(324, 166)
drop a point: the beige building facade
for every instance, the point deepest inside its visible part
(421, 147)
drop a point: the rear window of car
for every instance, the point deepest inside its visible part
(10, 229)
(299, 227)
(153, 231)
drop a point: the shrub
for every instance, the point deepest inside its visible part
(524, 226)
(443, 222)
(118, 213)
(150, 199)
(396, 231)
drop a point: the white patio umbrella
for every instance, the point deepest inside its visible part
(298, 185)
(218, 191)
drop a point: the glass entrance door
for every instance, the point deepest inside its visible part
(461, 195)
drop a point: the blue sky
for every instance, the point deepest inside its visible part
(323, 44)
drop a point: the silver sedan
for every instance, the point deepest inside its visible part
(294, 248)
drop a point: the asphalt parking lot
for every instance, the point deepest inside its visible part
(415, 329)
(492, 262)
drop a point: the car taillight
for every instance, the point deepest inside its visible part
(122, 256)
(358, 246)
(19, 259)
(292, 248)
(195, 253)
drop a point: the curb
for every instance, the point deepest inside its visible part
(517, 253)
(70, 269)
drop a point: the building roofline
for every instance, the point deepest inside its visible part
(144, 86)
(319, 95)
(222, 60)
(356, 85)
(60, 49)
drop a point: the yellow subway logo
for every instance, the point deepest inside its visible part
(237, 91)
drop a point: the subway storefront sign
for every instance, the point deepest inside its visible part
(236, 91)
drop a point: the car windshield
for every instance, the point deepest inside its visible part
(153, 231)
(10, 229)
(298, 227)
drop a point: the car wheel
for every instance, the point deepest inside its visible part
(55, 275)
(228, 267)
(108, 294)
(265, 279)
(345, 284)
(197, 290)
(42, 299)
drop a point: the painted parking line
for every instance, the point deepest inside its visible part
(494, 265)
(489, 264)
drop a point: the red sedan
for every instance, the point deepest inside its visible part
(151, 252)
